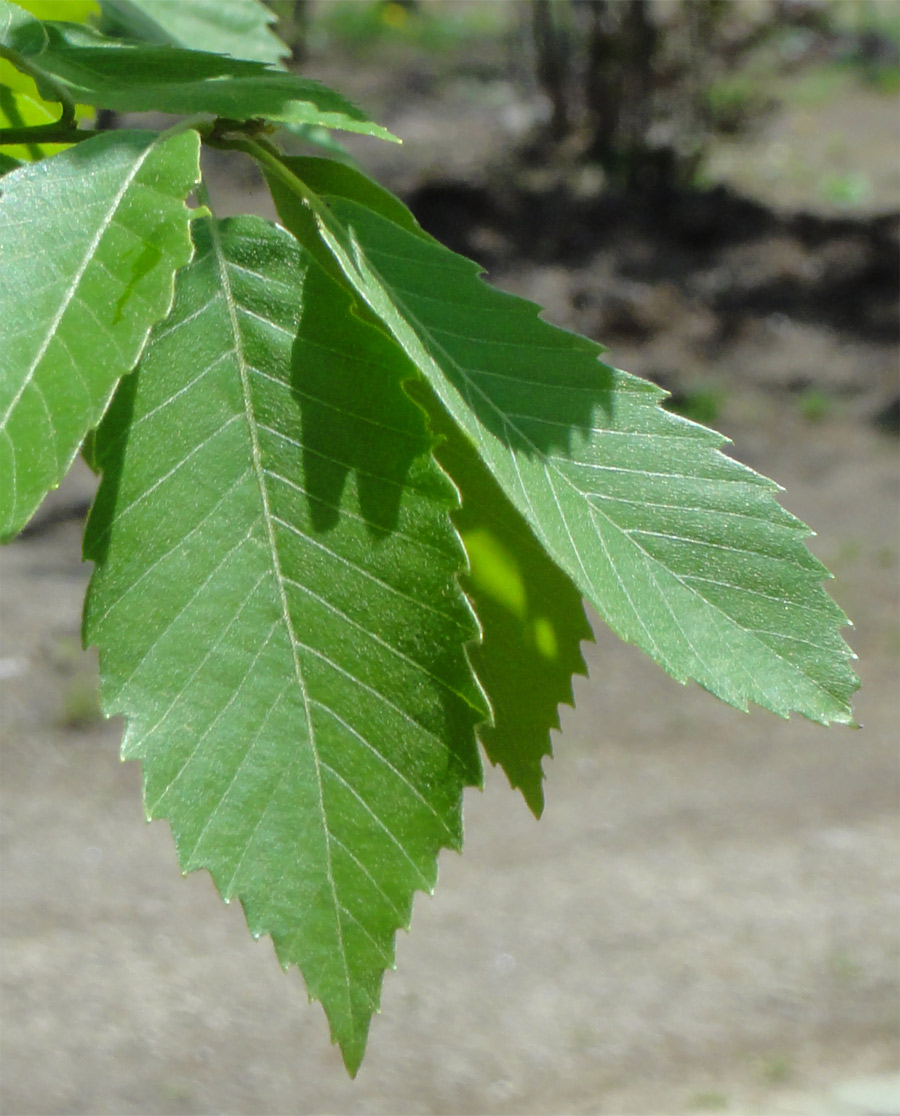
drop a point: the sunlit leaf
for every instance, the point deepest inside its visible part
(81, 285)
(680, 549)
(278, 613)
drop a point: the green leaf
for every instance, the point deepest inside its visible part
(236, 27)
(278, 613)
(532, 618)
(680, 549)
(126, 77)
(531, 613)
(21, 105)
(20, 30)
(90, 241)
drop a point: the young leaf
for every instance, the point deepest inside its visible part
(90, 241)
(680, 549)
(240, 28)
(278, 614)
(126, 77)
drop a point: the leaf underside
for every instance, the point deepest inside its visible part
(278, 614)
(682, 550)
(90, 241)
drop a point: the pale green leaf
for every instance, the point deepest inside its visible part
(90, 241)
(681, 550)
(240, 28)
(278, 613)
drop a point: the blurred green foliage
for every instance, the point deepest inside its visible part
(701, 403)
(815, 404)
(362, 25)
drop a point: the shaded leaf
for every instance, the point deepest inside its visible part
(532, 618)
(21, 106)
(126, 77)
(240, 28)
(278, 614)
(682, 550)
(80, 288)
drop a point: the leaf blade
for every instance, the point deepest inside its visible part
(241, 28)
(74, 317)
(305, 721)
(126, 77)
(598, 469)
(531, 614)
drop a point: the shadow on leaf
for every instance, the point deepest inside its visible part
(354, 415)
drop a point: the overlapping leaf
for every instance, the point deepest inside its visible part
(682, 550)
(90, 242)
(278, 613)
(21, 106)
(240, 28)
(126, 77)
(532, 619)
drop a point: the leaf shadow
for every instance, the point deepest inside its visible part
(537, 388)
(108, 458)
(355, 417)
(365, 449)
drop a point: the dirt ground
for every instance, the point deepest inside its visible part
(707, 918)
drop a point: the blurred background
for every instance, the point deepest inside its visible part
(707, 918)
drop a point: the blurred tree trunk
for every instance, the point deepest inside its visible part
(627, 82)
(552, 64)
(618, 82)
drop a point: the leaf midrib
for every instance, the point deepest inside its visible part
(269, 522)
(549, 465)
(79, 275)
